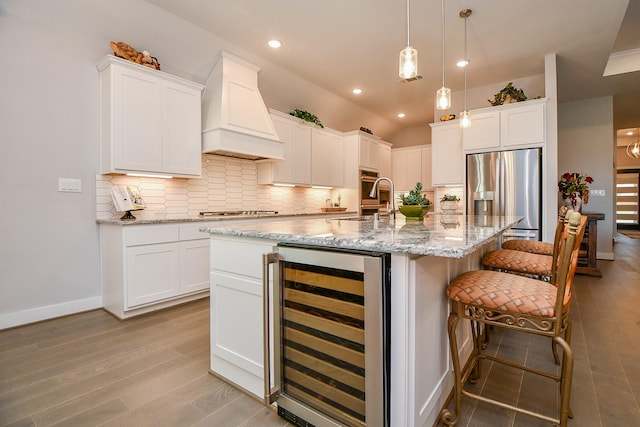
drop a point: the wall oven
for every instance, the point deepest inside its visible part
(330, 337)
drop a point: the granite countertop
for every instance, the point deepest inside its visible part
(451, 236)
(170, 220)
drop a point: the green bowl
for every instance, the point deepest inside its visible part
(414, 211)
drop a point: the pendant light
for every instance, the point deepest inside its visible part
(408, 56)
(443, 95)
(633, 149)
(465, 118)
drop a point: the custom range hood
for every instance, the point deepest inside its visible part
(235, 120)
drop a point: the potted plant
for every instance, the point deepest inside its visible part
(449, 203)
(415, 204)
(307, 117)
(574, 187)
(507, 95)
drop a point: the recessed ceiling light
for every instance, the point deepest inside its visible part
(274, 43)
(357, 91)
(462, 63)
(401, 115)
(630, 133)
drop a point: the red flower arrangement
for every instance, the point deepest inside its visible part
(575, 184)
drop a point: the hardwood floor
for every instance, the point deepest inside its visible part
(91, 369)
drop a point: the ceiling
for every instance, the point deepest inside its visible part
(340, 45)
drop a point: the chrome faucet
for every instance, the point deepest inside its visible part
(374, 190)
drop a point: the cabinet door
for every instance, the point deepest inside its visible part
(484, 132)
(194, 266)
(522, 125)
(182, 131)
(407, 168)
(447, 158)
(137, 121)
(152, 273)
(426, 168)
(368, 149)
(384, 160)
(327, 156)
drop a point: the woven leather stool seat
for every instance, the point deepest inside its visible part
(518, 262)
(496, 291)
(531, 246)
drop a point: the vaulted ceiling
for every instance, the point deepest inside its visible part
(339, 45)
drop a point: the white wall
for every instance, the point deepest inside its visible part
(49, 258)
(586, 141)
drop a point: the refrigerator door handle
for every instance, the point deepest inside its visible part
(500, 184)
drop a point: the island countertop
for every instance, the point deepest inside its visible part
(450, 236)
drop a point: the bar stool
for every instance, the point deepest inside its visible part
(519, 303)
(527, 262)
(535, 246)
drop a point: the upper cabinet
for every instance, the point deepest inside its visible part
(447, 157)
(150, 121)
(368, 152)
(313, 155)
(296, 167)
(384, 159)
(407, 167)
(518, 125)
(327, 164)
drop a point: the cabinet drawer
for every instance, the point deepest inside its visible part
(224, 255)
(192, 231)
(145, 235)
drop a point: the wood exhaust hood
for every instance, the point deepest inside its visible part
(235, 120)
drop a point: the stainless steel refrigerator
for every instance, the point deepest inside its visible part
(507, 183)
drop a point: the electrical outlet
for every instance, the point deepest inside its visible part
(597, 193)
(70, 185)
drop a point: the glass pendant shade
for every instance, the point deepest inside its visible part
(465, 119)
(633, 150)
(444, 98)
(408, 63)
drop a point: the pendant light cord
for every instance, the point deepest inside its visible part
(408, 23)
(443, 43)
(467, 63)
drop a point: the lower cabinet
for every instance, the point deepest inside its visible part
(236, 311)
(147, 267)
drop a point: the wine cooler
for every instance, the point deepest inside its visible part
(330, 336)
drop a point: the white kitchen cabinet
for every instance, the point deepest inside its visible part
(407, 167)
(368, 153)
(327, 164)
(484, 132)
(296, 166)
(447, 156)
(384, 159)
(237, 311)
(146, 267)
(426, 167)
(504, 127)
(150, 121)
(523, 124)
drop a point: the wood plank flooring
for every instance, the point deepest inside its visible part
(91, 369)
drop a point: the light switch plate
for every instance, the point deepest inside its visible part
(598, 193)
(70, 185)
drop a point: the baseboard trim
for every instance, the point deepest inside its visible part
(609, 256)
(32, 315)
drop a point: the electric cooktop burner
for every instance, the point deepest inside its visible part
(237, 213)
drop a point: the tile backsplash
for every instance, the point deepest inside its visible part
(226, 184)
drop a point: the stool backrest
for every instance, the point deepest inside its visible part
(567, 261)
(560, 227)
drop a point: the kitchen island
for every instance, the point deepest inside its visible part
(424, 256)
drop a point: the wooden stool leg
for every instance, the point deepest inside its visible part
(448, 418)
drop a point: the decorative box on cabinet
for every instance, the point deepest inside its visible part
(150, 121)
(447, 157)
(587, 261)
(147, 267)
